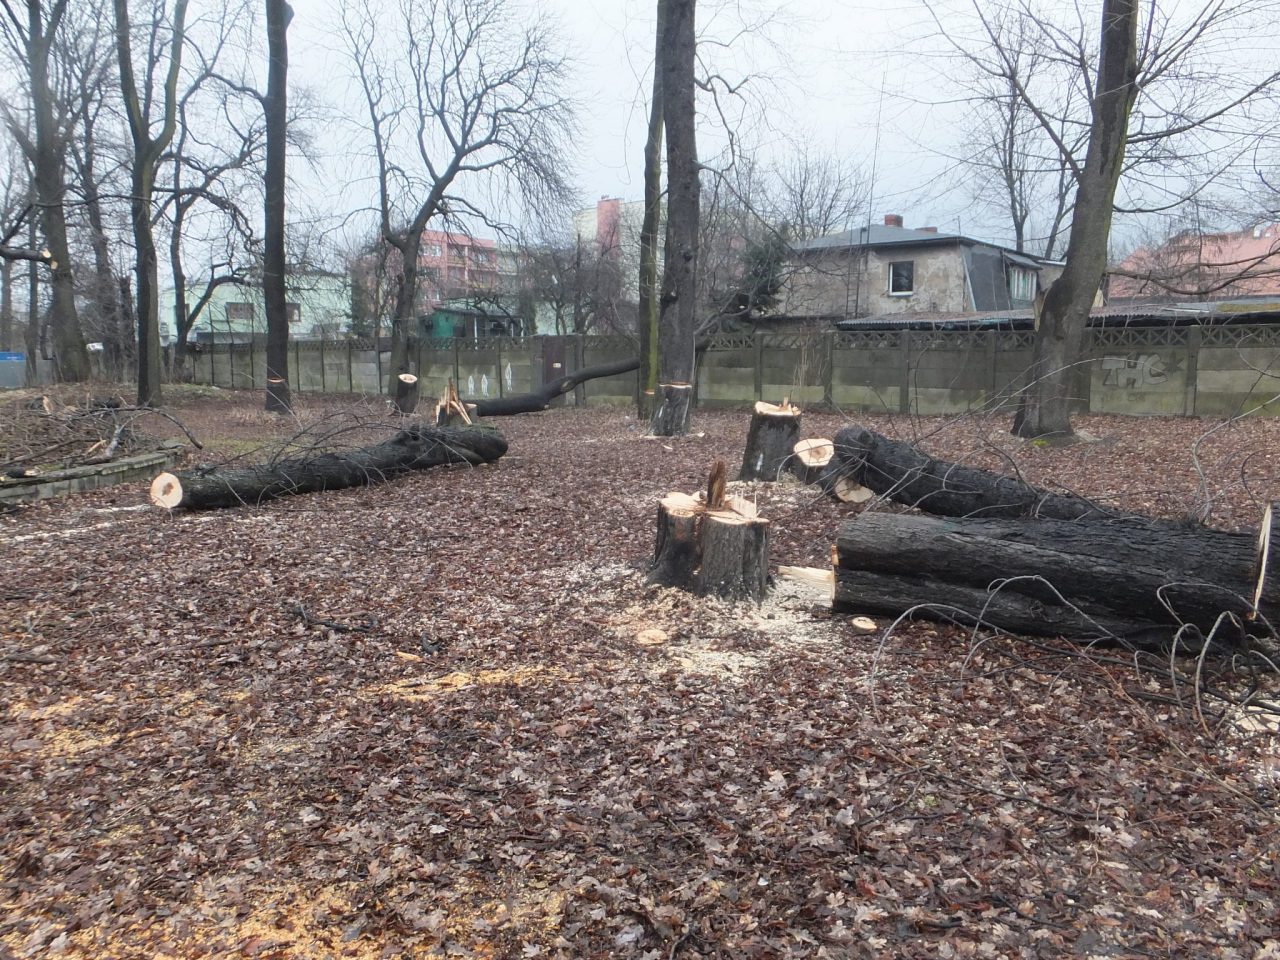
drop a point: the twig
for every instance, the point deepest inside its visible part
(370, 621)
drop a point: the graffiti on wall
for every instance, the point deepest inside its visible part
(1137, 370)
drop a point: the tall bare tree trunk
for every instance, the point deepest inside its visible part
(648, 308)
(1045, 409)
(31, 335)
(673, 398)
(147, 151)
(279, 14)
(6, 305)
(50, 184)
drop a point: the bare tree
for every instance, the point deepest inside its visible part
(677, 322)
(44, 142)
(650, 245)
(465, 109)
(1044, 409)
(151, 133)
(275, 106)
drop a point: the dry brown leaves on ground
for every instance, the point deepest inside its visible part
(493, 762)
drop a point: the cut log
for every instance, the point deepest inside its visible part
(902, 473)
(711, 544)
(771, 441)
(1081, 580)
(814, 462)
(810, 459)
(415, 447)
(672, 405)
(406, 398)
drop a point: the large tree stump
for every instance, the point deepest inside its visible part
(415, 447)
(453, 412)
(711, 544)
(771, 440)
(1051, 577)
(406, 398)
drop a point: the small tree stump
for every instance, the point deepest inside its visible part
(771, 441)
(711, 544)
(406, 398)
(453, 412)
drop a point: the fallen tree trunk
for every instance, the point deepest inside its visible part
(900, 472)
(1125, 579)
(415, 447)
(541, 398)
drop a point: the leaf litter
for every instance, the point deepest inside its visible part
(498, 768)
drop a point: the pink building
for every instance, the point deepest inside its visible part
(1202, 266)
(454, 265)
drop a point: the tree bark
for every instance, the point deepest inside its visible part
(900, 472)
(1045, 406)
(649, 245)
(678, 321)
(275, 105)
(1053, 577)
(413, 448)
(771, 441)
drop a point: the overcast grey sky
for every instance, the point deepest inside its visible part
(818, 70)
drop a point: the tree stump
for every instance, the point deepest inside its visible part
(771, 440)
(711, 544)
(406, 398)
(452, 412)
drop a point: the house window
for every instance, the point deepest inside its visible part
(433, 249)
(239, 312)
(902, 276)
(292, 312)
(1022, 284)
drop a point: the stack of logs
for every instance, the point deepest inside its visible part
(1003, 553)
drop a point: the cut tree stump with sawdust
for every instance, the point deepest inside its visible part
(814, 463)
(771, 440)
(414, 447)
(1127, 580)
(712, 543)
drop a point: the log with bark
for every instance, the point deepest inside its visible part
(712, 543)
(771, 440)
(415, 447)
(900, 472)
(1123, 580)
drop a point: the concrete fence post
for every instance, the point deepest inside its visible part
(904, 371)
(1195, 339)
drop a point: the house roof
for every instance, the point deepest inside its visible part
(880, 235)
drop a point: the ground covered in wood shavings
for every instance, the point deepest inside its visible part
(447, 717)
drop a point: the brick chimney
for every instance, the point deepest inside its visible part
(927, 229)
(893, 220)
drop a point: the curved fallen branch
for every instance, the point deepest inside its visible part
(415, 447)
(542, 398)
